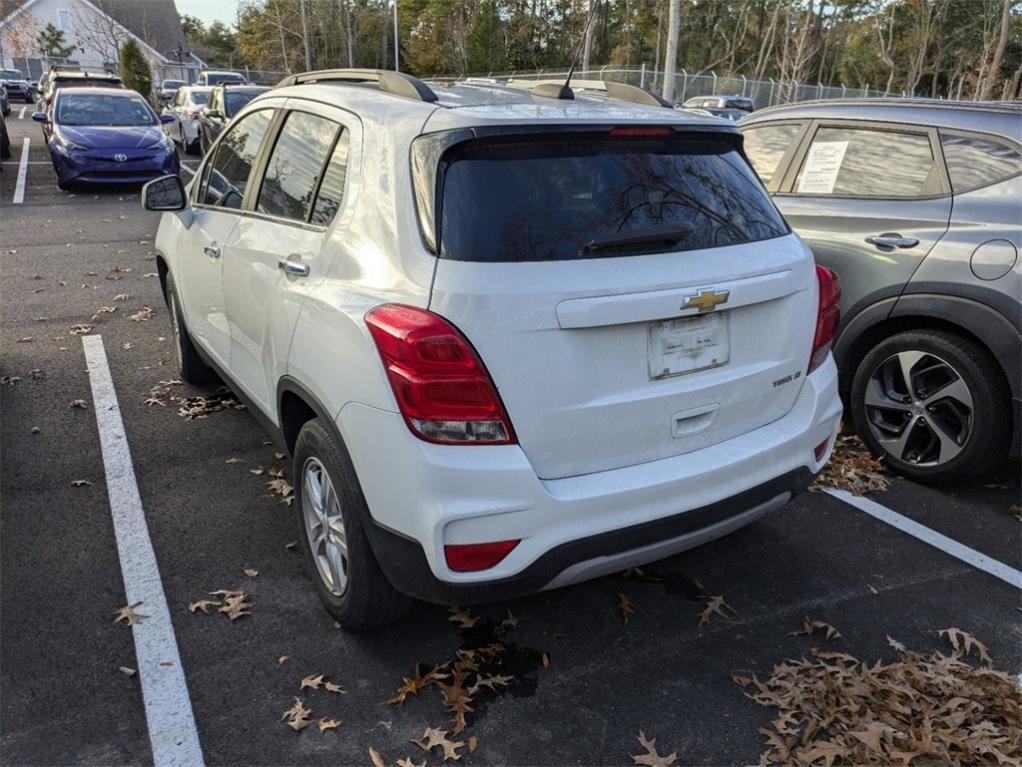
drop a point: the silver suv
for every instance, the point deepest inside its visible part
(917, 205)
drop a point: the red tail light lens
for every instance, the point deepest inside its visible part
(641, 131)
(193, 113)
(441, 386)
(826, 317)
(466, 558)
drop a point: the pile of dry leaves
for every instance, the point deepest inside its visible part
(852, 468)
(923, 709)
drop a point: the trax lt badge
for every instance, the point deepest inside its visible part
(121, 157)
(706, 300)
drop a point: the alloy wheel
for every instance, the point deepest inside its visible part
(324, 526)
(919, 408)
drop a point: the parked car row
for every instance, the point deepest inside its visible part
(199, 113)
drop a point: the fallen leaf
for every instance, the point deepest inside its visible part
(233, 460)
(121, 297)
(127, 671)
(433, 737)
(462, 618)
(283, 659)
(335, 688)
(651, 758)
(37, 374)
(328, 724)
(291, 545)
(626, 606)
(282, 488)
(810, 626)
(257, 472)
(546, 661)
(963, 643)
(250, 572)
(406, 762)
(25, 340)
(313, 680)
(473, 743)
(851, 467)
(279, 456)
(411, 686)
(202, 604)
(128, 615)
(375, 757)
(716, 606)
(80, 483)
(79, 404)
(143, 314)
(80, 329)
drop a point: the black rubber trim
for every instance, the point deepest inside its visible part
(404, 561)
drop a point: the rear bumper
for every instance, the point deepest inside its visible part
(422, 496)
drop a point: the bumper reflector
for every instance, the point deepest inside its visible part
(470, 557)
(821, 450)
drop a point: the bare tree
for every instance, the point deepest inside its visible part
(886, 44)
(797, 48)
(305, 36)
(671, 54)
(587, 49)
(994, 72)
(99, 32)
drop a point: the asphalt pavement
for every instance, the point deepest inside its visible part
(585, 682)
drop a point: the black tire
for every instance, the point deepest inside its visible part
(193, 369)
(984, 445)
(191, 147)
(203, 144)
(367, 600)
(5, 142)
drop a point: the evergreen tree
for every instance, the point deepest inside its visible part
(51, 43)
(135, 69)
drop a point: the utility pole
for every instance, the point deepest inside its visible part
(397, 46)
(671, 55)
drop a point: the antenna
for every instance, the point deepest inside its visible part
(566, 92)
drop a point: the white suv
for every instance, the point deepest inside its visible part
(511, 341)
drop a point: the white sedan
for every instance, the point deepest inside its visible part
(185, 108)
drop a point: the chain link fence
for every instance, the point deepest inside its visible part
(762, 92)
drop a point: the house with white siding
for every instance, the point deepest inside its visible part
(96, 29)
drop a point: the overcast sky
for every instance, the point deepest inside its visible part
(210, 10)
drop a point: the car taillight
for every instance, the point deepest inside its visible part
(826, 316)
(471, 557)
(632, 131)
(441, 386)
(193, 113)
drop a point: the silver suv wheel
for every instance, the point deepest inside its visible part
(919, 408)
(324, 526)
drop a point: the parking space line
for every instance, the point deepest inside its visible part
(19, 187)
(949, 546)
(172, 733)
(21, 114)
(185, 167)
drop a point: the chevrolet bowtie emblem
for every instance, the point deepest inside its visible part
(706, 300)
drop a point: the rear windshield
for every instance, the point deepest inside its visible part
(591, 196)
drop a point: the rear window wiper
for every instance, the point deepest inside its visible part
(654, 235)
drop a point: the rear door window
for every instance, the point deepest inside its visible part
(765, 145)
(331, 188)
(975, 161)
(226, 176)
(861, 162)
(295, 166)
(586, 195)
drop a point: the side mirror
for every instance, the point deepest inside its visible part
(164, 193)
(40, 117)
(165, 118)
(214, 114)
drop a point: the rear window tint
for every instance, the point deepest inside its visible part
(765, 146)
(587, 196)
(973, 161)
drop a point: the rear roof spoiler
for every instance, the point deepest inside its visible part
(397, 83)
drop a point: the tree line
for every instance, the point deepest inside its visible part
(939, 48)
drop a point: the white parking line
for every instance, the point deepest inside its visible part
(21, 114)
(168, 708)
(949, 546)
(185, 167)
(19, 187)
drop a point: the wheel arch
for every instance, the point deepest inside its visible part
(295, 406)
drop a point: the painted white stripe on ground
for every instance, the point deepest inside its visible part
(19, 187)
(172, 733)
(949, 546)
(185, 167)
(21, 114)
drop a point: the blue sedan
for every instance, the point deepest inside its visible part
(106, 136)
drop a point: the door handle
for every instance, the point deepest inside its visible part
(213, 251)
(892, 240)
(293, 267)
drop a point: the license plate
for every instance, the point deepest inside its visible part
(681, 346)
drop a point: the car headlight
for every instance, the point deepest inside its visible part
(71, 146)
(161, 143)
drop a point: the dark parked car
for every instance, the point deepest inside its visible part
(224, 102)
(720, 102)
(5, 139)
(215, 77)
(16, 85)
(78, 79)
(5, 102)
(917, 205)
(104, 136)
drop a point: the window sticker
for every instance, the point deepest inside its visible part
(823, 163)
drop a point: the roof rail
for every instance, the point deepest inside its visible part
(397, 83)
(614, 90)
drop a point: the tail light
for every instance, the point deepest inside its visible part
(472, 557)
(826, 317)
(641, 131)
(441, 386)
(193, 113)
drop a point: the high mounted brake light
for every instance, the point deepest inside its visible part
(441, 386)
(628, 131)
(827, 316)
